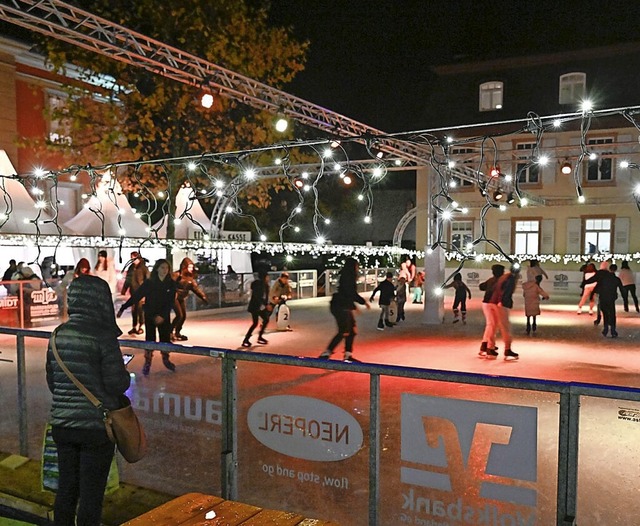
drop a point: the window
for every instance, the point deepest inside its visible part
(527, 237)
(58, 129)
(464, 162)
(598, 235)
(491, 96)
(528, 172)
(461, 234)
(600, 163)
(572, 88)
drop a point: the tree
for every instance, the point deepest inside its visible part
(141, 116)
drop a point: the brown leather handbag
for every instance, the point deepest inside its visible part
(122, 425)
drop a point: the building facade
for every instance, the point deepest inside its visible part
(556, 136)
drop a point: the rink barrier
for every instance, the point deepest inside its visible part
(569, 415)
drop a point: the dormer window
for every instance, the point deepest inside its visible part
(491, 94)
(573, 87)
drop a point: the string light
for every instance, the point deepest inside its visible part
(229, 199)
(281, 125)
(206, 100)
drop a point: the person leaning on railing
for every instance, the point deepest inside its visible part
(88, 346)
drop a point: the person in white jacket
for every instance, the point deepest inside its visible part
(106, 270)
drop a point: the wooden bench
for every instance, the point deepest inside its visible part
(191, 510)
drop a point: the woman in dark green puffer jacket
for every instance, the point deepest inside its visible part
(88, 346)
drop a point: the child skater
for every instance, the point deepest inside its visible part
(532, 291)
(460, 299)
(387, 293)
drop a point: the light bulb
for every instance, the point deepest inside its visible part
(282, 124)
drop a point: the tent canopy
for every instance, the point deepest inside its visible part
(18, 210)
(109, 207)
(186, 205)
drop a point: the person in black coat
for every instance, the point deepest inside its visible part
(607, 286)
(88, 346)
(185, 280)
(387, 294)
(13, 267)
(159, 293)
(259, 307)
(343, 308)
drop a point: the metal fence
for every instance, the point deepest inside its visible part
(400, 445)
(26, 304)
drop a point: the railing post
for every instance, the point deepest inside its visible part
(374, 448)
(314, 273)
(568, 459)
(21, 292)
(229, 467)
(22, 396)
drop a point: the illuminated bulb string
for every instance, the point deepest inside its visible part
(444, 149)
(220, 177)
(223, 177)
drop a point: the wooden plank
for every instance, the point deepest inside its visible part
(274, 518)
(317, 522)
(178, 510)
(228, 513)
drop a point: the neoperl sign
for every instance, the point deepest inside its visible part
(304, 427)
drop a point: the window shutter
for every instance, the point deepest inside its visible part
(504, 235)
(549, 171)
(480, 247)
(623, 176)
(574, 226)
(547, 239)
(621, 240)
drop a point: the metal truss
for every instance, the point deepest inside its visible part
(70, 24)
(78, 27)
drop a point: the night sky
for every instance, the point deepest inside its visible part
(370, 59)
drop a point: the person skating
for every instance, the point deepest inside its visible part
(185, 279)
(259, 307)
(343, 308)
(532, 292)
(628, 279)
(589, 270)
(502, 302)
(401, 297)
(607, 285)
(159, 292)
(387, 294)
(534, 270)
(137, 273)
(418, 283)
(460, 299)
(105, 269)
(488, 346)
(280, 292)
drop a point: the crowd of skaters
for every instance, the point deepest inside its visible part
(153, 294)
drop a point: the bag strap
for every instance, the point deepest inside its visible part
(71, 376)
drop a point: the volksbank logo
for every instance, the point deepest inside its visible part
(475, 449)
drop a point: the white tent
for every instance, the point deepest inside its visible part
(186, 228)
(101, 210)
(17, 206)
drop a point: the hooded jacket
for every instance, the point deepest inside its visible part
(88, 346)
